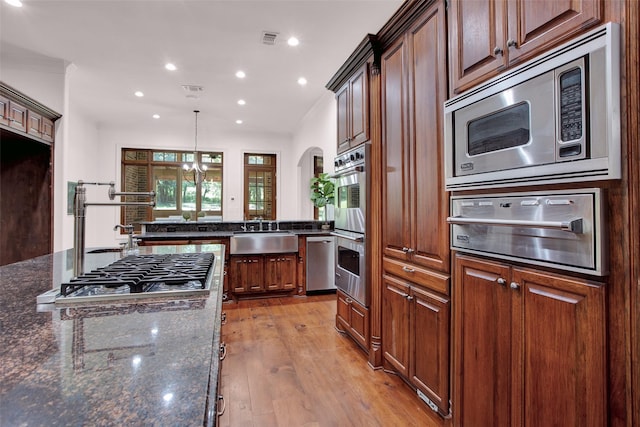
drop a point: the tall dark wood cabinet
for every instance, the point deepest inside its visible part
(529, 347)
(487, 36)
(26, 176)
(415, 235)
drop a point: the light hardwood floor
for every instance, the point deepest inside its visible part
(286, 365)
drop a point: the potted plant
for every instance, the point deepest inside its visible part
(322, 193)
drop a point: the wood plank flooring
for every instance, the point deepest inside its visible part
(286, 365)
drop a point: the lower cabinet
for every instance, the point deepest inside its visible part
(529, 347)
(415, 338)
(353, 318)
(263, 273)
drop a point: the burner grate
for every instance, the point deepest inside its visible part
(141, 273)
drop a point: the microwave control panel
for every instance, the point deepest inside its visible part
(571, 105)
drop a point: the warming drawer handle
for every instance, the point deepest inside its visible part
(573, 225)
(355, 239)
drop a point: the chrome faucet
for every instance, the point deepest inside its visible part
(260, 222)
(79, 216)
(131, 243)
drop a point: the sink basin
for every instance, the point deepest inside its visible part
(104, 250)
(263, 231)
(261, 242)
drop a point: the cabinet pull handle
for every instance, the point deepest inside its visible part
(409, 298)
(515, 286)
(512, 43)
(223, 318)
(348, 300)
(224, 405)
(497, 51)
(223, 351)
(405, 249)
(407, 269)
(501, 281)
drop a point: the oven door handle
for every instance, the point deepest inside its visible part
(355, 239)
(573, 225)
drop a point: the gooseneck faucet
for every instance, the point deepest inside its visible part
(129, 230)
(79, 215)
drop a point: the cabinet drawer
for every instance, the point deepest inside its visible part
(429, 279)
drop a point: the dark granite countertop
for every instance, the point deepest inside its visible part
(194, 235)
(149, 362)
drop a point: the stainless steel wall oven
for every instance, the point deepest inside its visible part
(350, 222)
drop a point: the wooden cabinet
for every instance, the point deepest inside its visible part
(353, 110)
(415, 336)
(20, 118)
(487, 36)
(14, 115)
(280, 272)
(353, 318)
(246, 273)
(530, 347)
(414, 204)
(263, 273)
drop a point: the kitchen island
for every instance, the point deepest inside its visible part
(148, 361)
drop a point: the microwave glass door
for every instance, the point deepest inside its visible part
(511, 129)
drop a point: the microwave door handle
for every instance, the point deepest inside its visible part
(355, 239)
(573, 225)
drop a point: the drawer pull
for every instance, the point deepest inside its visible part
(224, 405)
(408, 270)
(223, 351)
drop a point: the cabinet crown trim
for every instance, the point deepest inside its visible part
(367, 47)
(33, 105)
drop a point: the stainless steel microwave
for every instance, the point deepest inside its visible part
(555, 118)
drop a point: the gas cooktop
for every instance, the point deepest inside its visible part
(136, 276)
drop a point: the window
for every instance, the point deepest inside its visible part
(260, 186)
(177, 193)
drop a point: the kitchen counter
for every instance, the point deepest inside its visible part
(149, 362)
(200, 235)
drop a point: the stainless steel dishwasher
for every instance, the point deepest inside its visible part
(320, 263)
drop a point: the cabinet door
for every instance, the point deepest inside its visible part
(246, 274)
(396, 227)
(272, 280)
(359, 321)
(17, 116)
(560, 351)
(4, 111)
(343, 311)
(34, 124)
(48, 129)
(476, 41)
(428, 89)
(288, 272)
(342, 99)
(395, 324)
(429, 346)
(359, 106)
(482, 343)
(535, 26)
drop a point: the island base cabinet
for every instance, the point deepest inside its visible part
(353, 318)
(529, 347)
(261, 274)
(415, 339)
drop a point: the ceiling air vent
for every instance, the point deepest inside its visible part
(193, 91)
(269, 37)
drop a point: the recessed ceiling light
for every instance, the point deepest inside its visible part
(240, 74)
(14, 3)
(241, 102)
(169, 66)
(238, 122)
(302, 81)
(293, 41)
(139, 94)
(156, 116)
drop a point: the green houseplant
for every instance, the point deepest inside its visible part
(322, 192)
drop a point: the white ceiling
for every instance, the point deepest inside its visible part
(119, 47)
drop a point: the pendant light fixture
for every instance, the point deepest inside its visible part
(195, 172)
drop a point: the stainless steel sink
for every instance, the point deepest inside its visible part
(263, 242)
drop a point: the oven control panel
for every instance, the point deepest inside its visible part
(350, 159)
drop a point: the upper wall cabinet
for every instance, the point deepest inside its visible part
(353, 110)
(351, 86)
(23, 115)
(487, 36)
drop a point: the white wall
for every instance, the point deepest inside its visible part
(316, 133)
